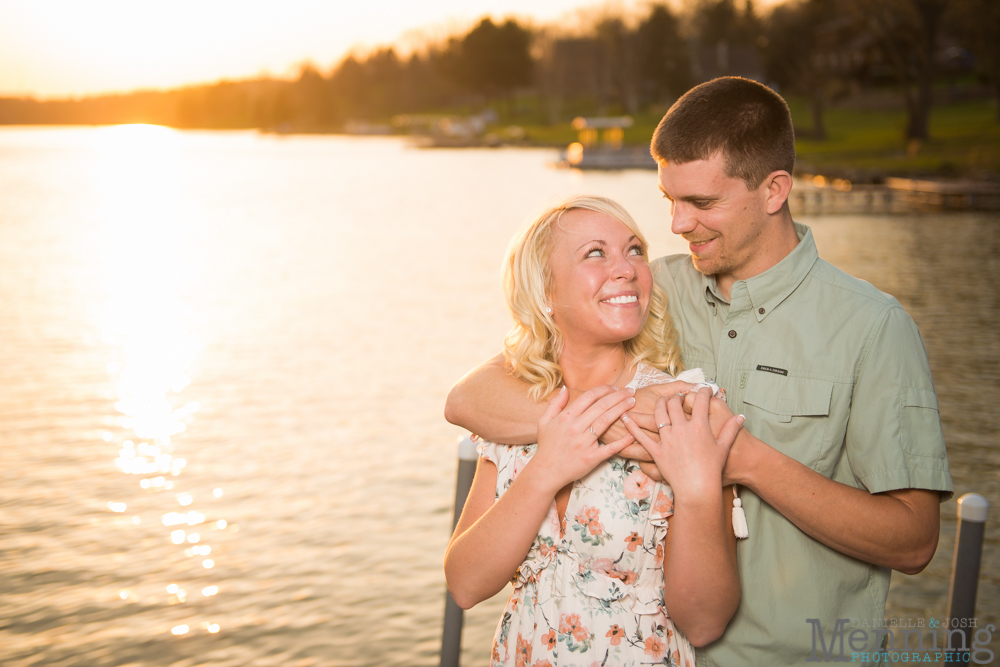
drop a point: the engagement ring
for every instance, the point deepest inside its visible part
(592, 431)
(659, 426)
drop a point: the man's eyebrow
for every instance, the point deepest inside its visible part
(691, 197)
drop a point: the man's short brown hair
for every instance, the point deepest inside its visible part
(745, 120)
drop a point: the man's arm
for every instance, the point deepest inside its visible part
(494, 404)
(897, 529)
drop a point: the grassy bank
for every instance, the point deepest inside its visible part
(965, 141)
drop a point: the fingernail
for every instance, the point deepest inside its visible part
(630, 401)
(740, 419)
(625, 418)
(562, 389)
(631, 390)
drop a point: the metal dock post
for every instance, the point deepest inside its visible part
(451, 637)
(973, 510)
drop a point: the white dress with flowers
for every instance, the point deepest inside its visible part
(590, 591)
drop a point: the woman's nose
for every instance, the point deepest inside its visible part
(624, 269)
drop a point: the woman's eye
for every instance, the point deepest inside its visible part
(635, 250)
(596, 252)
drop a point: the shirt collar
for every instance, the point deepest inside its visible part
(770, 288)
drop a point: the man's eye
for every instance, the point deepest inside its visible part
(702, 204)
(596, 252)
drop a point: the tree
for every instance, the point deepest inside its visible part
(811, 47)
(977, 22)
(907, 32)
(494, 60)
(663, 59)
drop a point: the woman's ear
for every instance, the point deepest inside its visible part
(778, 187)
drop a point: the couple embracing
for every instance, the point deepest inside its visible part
(806, 422)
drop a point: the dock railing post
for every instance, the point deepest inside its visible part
(973, 510)
(451, 636)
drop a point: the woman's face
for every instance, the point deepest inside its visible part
(600, 280)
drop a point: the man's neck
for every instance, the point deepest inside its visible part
(775, 248)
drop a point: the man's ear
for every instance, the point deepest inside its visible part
(778, 186)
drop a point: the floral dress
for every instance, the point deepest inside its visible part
(590, 591)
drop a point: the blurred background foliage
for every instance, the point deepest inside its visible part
(898, 85)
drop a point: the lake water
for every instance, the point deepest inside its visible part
(223, 361)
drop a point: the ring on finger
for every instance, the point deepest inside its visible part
(593, 432)
(659, 426)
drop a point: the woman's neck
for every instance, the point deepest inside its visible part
(592, 366)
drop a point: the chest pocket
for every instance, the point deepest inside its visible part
(789, 413)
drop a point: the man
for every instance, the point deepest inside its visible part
(841, 459)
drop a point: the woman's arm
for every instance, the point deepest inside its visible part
(492, 539)
(701, 581)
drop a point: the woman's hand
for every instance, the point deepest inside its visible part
(688, 456)
(568, 447)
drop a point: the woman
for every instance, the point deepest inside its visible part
(582, 533)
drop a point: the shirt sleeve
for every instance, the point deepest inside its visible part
(894, 438)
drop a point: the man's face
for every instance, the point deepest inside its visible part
(722, 221)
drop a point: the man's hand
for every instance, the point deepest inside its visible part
(642, 415)
(690, 457)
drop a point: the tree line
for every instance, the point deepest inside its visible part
(820, 50)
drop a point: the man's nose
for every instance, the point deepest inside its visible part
(681, 220)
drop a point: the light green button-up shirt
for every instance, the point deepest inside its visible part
(833, 373)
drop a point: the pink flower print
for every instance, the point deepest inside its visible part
(542, 663)
(677, 657)
(616, 633)
(570, 624)
(659, 554)
(633, 541)
(589, 517)
(655, 647)
(664, 503)
(604, 565)
(519, 463)
(549, 639)
(522, 655)
(638, 485)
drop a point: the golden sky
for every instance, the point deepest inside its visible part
(52, 48)
(56, 48)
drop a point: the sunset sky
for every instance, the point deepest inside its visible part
(55, 48)
(52, 48)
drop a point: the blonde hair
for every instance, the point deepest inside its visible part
(534, 343)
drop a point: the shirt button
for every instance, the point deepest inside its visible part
(732, 333)
(760, 310)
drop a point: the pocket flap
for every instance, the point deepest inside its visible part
(913, 397)
(788, 396)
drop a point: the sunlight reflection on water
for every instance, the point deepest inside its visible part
(232, 350)
(144, 322)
